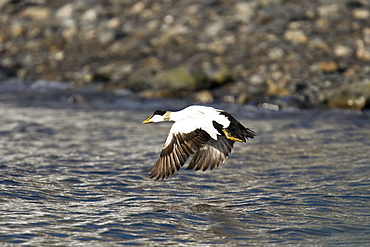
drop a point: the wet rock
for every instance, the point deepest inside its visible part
(219, 77)
(353, 96)
(6, 72)
(289, 101)
(276, 88)
(180, 79)
(256, 85)
(203, 96)
(150, 93)
(243, 98)
(141, 79)
(76, 99)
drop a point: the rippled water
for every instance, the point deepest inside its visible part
(77, 177)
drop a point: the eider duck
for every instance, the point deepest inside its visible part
(206, 132)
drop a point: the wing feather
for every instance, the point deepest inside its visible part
(178, 149)
(212, 154)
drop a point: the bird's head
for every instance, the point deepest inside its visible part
(158, 116)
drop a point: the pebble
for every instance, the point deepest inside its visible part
(276, 53)
(203, 96)
(114, 23)
(65, 12)
(295, 36)
(137, 7)
(273, 48)
(245, 11)
(327, 67)
(89, 16)
(329, 10)
(361, 14)
(363, 51)
(38, 13)
(342, 51)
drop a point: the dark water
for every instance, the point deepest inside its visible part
(77, 177)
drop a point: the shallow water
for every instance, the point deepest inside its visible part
(76, 176)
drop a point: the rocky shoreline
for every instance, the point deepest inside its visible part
(269, 53)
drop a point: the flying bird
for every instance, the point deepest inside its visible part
(204, 131)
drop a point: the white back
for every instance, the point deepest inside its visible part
(197, 117)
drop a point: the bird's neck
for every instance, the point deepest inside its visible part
(173, 116)
(167, 116)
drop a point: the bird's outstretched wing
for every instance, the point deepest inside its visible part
(212, 154)
(176, 151)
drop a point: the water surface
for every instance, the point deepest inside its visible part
(77, 176)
